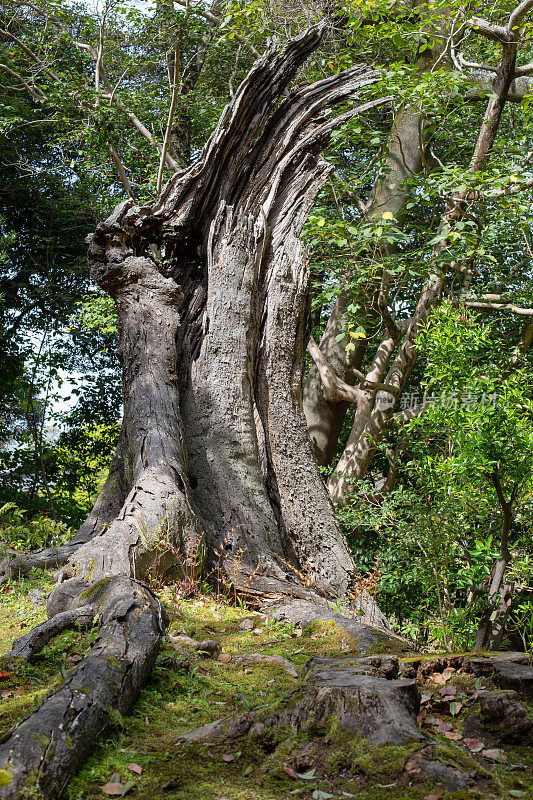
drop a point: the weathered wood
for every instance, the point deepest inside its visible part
(33, 642)
(44, 750)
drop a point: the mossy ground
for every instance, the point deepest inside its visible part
(334, 763)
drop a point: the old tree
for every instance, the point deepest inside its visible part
(221, 437)
(210, 282)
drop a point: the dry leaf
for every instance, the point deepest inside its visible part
(227, 757)
(454, 736)
(448, 691)
(438, 678)
(291, 773)
(112, 789)
(435, 796)
(445, 727)
(224, 657)
(247, 624)
(474, 744)
(455, 707)
(494, 754)
(434, 719)
(448, 672)
(133, 767)
(6, 694)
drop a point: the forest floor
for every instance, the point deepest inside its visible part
(143, 752)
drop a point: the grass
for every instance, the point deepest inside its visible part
(186, 692)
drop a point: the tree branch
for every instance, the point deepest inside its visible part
(520, 311)
(217, 23)
(334, 388)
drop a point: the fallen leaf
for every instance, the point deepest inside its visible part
(474, 744)
(290, 772)
(247, 770)
(438, 678)
(445, 727)
(494, 754)
(247, 624)
(128, 787)
(112, 789)
(228, 757)
(435, 796)
(434, 719)
(306, 776)
(6, 694)
(425, 698)
(298, 632)
(448, 672)
(454, 736)
(224, 657)
(448, 691)
(318, 794)
(517, 793)
(133, 767)
(256, 631)
(455, 707)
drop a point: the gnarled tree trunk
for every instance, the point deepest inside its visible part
(210, 282)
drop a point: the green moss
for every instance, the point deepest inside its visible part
(380, 763)
(94, 589)
(336, 636)
(5, 777)
(386, 646)
(457, 757)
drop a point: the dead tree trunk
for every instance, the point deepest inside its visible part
(210, 282)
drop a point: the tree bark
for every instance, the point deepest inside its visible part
(210, 282)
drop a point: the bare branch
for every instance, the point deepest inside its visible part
(34, 94)
(170, 119)
(518, 14)
(526, 69)
(488, 306)
(497, 33)
(334, 388)
(126, 185)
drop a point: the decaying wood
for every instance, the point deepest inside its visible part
(45, 749)
(33, 642)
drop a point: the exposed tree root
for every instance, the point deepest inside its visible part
(44, 750)
(33, 642)
(14, 565)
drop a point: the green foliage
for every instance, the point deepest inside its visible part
(21, 533)
(437, 534)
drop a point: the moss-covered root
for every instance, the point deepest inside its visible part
(44, 750)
